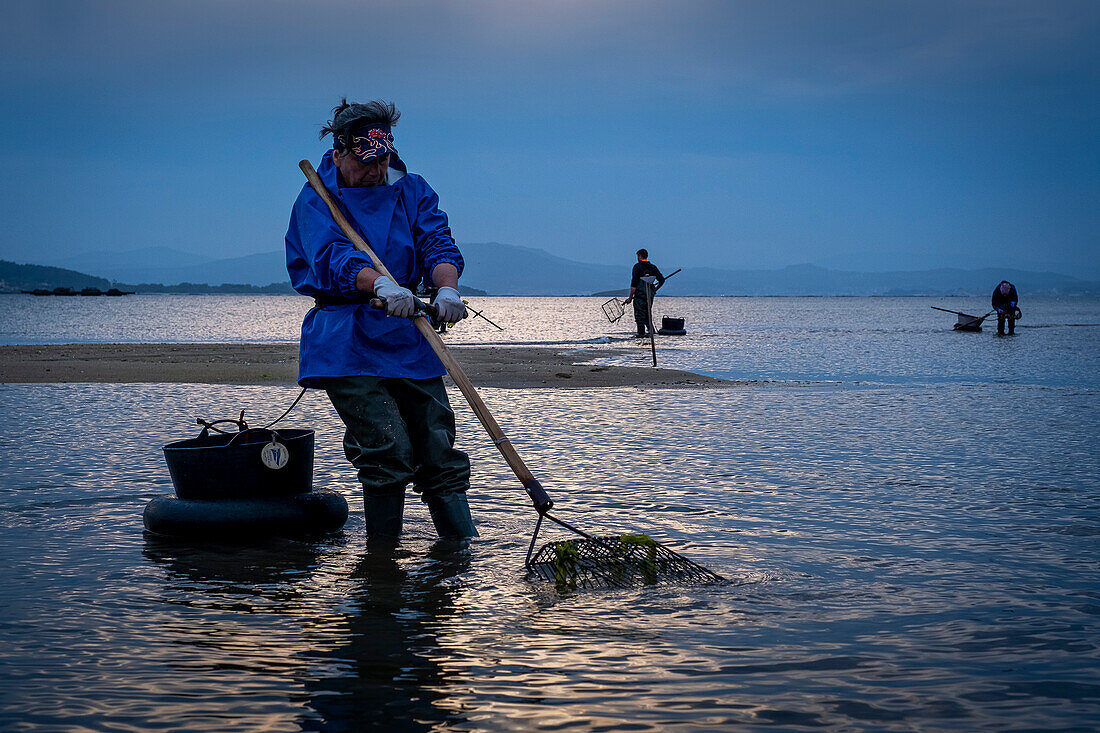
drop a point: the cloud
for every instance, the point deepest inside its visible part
(780, 48)
(803, 118)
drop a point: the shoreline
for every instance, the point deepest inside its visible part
(508, 367)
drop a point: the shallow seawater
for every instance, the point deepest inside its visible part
(895, 340)
(901, 557)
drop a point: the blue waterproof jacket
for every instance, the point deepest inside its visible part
(404, 226)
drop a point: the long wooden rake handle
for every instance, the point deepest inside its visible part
(534, 489)
(649, 317)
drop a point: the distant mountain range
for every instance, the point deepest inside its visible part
(171, 266)
(16, 278)
(504, 269)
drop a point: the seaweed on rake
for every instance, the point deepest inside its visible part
(615, 562)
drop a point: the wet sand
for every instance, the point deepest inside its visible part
(488, 366)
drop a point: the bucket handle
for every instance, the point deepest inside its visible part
(274, 435)
(207, 425)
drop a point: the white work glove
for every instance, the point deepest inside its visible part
(449, 307)
(399, 300)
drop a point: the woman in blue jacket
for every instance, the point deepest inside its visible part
(379, 371)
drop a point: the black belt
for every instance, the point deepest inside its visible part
(320, 301)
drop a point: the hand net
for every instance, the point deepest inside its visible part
(613, 309)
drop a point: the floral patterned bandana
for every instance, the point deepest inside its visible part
(367, 143)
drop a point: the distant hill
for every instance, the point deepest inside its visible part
(918, 260)
(491, 267)
(494, 264)
(256, 269)
(504, 269)
(813, 280)
(130, 265)
(204, 289)
(15, 278)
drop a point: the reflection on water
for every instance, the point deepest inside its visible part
(152, 319)
(392, 667)
(373, 658)
(865, 340)
(904, 557)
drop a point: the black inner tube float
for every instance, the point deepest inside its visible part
(254, 482)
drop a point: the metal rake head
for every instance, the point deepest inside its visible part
(615, 562)
(613, 309)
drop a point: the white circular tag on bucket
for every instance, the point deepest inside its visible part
(275, 455)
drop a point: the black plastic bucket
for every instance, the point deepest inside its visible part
(672, 326)
(251, 464)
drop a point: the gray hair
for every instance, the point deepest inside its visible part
(348, 116)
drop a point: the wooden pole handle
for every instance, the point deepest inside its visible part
(534, 489)
(649, 317)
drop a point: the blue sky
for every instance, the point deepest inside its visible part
(726, 134)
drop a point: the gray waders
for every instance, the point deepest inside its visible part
(643, 298)
(402, 431)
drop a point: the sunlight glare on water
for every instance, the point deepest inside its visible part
(900, 557)
(871, 340)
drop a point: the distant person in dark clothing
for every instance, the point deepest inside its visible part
(642, 288)
(1004, 302)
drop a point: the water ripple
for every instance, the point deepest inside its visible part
(895, 566)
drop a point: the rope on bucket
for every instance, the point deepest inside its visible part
(242, 426)
(292, 405)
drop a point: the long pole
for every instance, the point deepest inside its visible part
(649, 291)
(534, 489)
(649, 316)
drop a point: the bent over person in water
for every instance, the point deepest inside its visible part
(380, 373)
(1004, 302)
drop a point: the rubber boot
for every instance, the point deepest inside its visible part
(451, 516)
(383, 513)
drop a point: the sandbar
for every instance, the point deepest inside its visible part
(489, 366)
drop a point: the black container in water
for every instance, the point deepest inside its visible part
(672, 326)
(217, 466)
